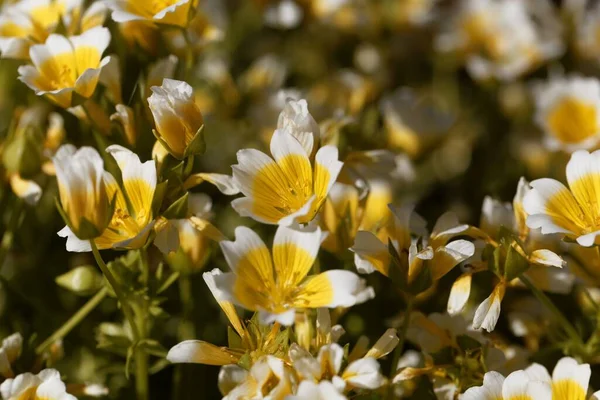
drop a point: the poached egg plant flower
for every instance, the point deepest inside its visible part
(275, 283)
(83, 191)
(178, 119)
(132, 219)
(568, 110)
(569, 381)
(287, 188)
(47, 385)
(573, 211)
(168, 12)
(63, 65)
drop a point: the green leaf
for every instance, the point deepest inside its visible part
(398, 269)
(233, 339)
(515, 264)
(165, 284)
(178, 209)
(197, 145)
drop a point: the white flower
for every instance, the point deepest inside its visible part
(63, 66)
(363, 373)
(46, 385)
(568, 111)
(9, 352)
(132, 219)
(289, 188)
(308, 390)
(517, 385)
(169, 12)
(177, 118)
(276, 283)
(573, 212)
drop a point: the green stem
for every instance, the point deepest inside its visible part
(73, 321)
(187, 329)
(141, 355)
(116, 287)
(141, 361)
(567, 326)
(189, 55)
(9, 234)
(402, 336)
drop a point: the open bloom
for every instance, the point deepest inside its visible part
(503, 39)
(574, 211)
(132, 219)
(276, 283)
(27, 22)
(309, 390)
(362, 373)
(568, 110)
(290, 187)
(177, 117)
(46, 385)
(269, 378)
(517, 385)
(169, 12)
(569, 381)
(63, 66)
(83, 190)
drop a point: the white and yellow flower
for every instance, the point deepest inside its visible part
(371, 254)
(296, 119)
(568, 111)
(84, 194)
(132, 219)
(63, 66)
(47, 385)
(276, 283)
(309, 390)
(177, 118)
(503, 39)
(269, 378)
(343, 214)
(517, 385)
(27, 22)
(362, 373)
(289, 188)
(573, 212)
(168, 12)
(569, 380)
(9, 353)
(414, 122)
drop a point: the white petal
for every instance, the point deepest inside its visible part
(246, 240)
(364, 373)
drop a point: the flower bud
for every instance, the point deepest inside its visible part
(301, 124)
(23, 154)
(126, 117)
(83, 280)
(87, 210)
(179, 123)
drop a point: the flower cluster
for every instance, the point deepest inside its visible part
(312, 199)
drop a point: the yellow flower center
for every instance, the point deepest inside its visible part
(572, 121)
